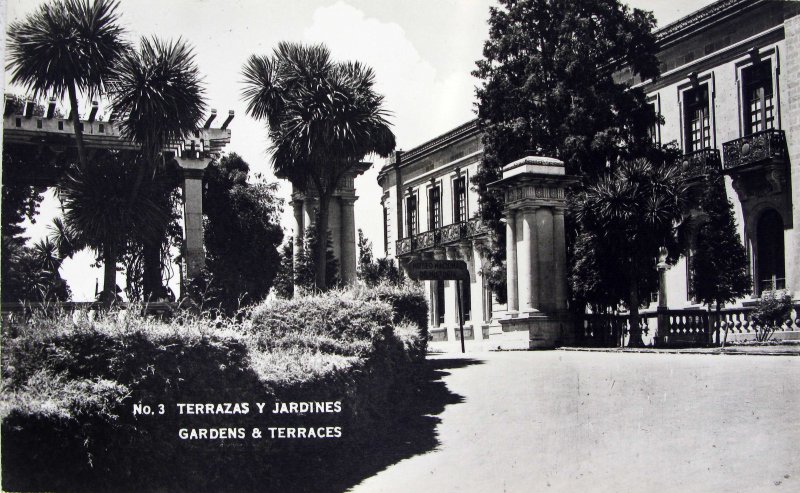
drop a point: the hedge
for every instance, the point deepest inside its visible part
(70, 383)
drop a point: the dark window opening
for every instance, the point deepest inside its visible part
(460, 200)
(411, 215)
(385, 231)
(438, 303)
(652, 130)
(434, 209)
(466, 301)
(759, 101)
(697, 120)
(770, 252)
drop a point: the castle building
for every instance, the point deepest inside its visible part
(729, 95)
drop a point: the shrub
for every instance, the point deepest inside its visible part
(69, 384)
(409, 306)
(774, 307)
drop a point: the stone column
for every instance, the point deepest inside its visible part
(194, 254)
(527, 266)
(546, 259)
(560, 268)
(335, 231)
(511, 261)
(348, 241)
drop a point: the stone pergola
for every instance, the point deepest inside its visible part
(534, 194)
(48, 136)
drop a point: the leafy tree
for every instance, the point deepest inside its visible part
(66, 47)
(549, 88)
(284, 279)
(627, 215)
(305, 262)
(33, 273)
(323, 118)
(374, 272)
(242, 232)
(158, 93)
(773, 309)
(719, 262)
(98, 214)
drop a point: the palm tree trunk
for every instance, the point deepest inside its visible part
(109, 274)
(320, 255)
(633, 306)
(76, 125)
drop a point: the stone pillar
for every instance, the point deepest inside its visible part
(297, 233)
(335, 230)
(194, 254)
(348, 241)
(527, 267)
(511, 261)
(546, 260)
(560, 267)
(534, 195)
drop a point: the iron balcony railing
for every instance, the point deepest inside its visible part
(446, 235)
(754, 149)
(700, 163)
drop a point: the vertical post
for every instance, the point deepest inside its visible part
(193, 170)
(511, 261)
(348, 241)
(662, 317)
(461, 315)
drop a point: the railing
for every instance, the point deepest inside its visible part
(690, 327)
(701, 163)
(755, 148)
(452, 233)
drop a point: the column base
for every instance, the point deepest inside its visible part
(534, 330)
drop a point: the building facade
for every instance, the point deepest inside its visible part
(729, 95)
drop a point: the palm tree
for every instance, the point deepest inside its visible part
(66, 46)
(323, 117)
(629, 214)
(98, 214)
(159, 94)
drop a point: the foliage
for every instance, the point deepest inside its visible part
(549, 88)
(772, 310)
(374, 272)
(69, 383)
(284, 279)
(625, 217)
(323, 117)
(409, 307)
(305, 262)
(242, 232)
(158, 93)
(66, 46)
(719, 259)
(32, 273)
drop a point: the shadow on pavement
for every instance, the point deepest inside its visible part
(414, 433)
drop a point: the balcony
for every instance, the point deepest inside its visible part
(699, 164)
(753, 150)
(446, 235)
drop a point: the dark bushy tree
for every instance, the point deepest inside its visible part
(627, 215)
(549, 89)
(305, 262)
(242, 232)
(719, 262)
(372, 271)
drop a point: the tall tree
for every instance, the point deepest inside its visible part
(305, 261)
(242, 232)
(98, 214)
(628, 214)
(324, 117)
(66, 46)
(549, 87)
(158, 92)
(719, 262)
(371, 271)
(284, 279)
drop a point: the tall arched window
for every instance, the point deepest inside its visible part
(770, 252)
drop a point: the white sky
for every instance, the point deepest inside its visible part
(422, 51)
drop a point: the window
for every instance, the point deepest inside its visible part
(652, 130)
(438, 303)
(697, 120)
(460, 199)
(434, 209)
(466, 293)
(385, 231)
(411, 215)
(759, 102)
(770, 252)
